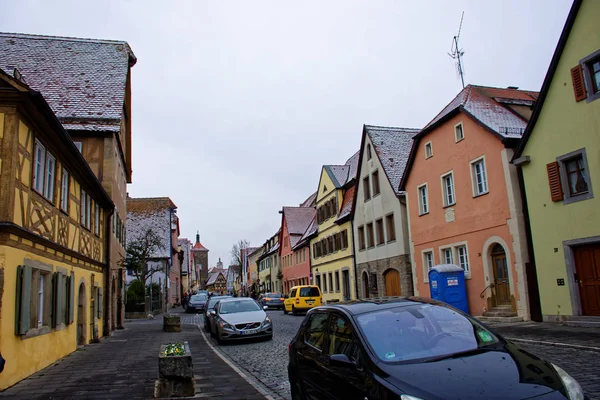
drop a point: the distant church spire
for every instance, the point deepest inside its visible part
(197, 236)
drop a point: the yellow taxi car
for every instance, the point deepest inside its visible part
(302, 298)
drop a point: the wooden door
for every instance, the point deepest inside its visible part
(501, 279)
(587, 264)
(392, 283)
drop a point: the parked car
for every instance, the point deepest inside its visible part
(302, 298)
(210, 305)
(272, 300)
(240, 318)
(414, 349)
(196, 303)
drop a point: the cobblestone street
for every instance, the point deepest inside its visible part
(267, 361)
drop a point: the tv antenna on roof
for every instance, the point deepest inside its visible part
(456, 53)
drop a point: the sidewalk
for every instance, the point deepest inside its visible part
(125, 366)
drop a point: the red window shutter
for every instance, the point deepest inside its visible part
(578, 83)
(556, 192)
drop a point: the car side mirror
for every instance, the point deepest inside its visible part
(341, 360)
(213, 312)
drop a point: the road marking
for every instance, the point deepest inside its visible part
(251, 381)
(574, 346)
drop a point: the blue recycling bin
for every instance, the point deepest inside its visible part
(447, 284)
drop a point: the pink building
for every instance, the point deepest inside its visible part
(464, 202)
(294, 252)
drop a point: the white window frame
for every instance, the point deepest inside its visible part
(474, 182)
(464, 264)
(462, 132)
(96, 219)
(445, 199)
(40, 310)
(443, 259)
(89, 211)
(49, 177)
(64, 191)
(83, 210)
(423, 206)
(39, 166)
(564, 179)
(426, 269)
(428, 154)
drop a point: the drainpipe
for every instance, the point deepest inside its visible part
(354, 259)
(107, 298)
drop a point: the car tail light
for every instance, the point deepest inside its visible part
(297, 301)
(267, 299)
(282, 299)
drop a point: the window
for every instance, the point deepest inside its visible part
(79, 146)
(315, 330)
(423, 200)
(88, 208)
(64, 191)
(463, 258)
(586, 78)
(428, 150)
(366, 188)
(369, 156)
(428, 260)
(594, 70)
(376, 189)
(361, 237)
(97, 219)
(344, 239)
(380, 233)
(574, 176)
(324, 276)
(318, 284)
(83, 211)
(39, 163)
(447, 256)
(458, 132)
(330, 282)
(448, 189)
(337, 281)
(479, 177)
(341, 338)
(50, 175)
(370, 238)
(40, 309)
(391, 227)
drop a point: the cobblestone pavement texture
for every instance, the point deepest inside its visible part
(125, 366)
(267, 361)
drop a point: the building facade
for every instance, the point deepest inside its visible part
(54, 237)
(199, 265)
(185, 246)
(380, 221)
(463, 197)
(560, 163)
(295, 260)
(95, 109)
(332, 256)
(269, 268)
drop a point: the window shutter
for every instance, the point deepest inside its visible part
(57, 317)
(71, 298)
(578, 83)
(100, 304)
(556, 192)
(23, 296)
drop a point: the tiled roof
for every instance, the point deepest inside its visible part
(83, 80)
(483, 104)
(298, 219)
(150, 213)
(353, 164)
(310, 201)
(311, 230)
(338, 174)
(392, 146)
(199, 247)
(213, 277)
(347, 202)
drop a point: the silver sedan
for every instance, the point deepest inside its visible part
(240, 318)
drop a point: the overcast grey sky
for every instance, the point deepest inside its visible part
(238, 104)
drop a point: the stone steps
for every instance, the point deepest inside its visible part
(500, 311)
(512, 319)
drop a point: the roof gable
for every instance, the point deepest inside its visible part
(83, 80)
(326, 184)
(298, 218)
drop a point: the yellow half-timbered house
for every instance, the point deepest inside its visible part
(54, 215)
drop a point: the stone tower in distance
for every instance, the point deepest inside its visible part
(200, 257)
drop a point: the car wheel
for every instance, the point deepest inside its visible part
(297, 390)
(294, 312)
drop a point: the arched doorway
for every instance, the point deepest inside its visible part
(392, 283)
(365, 279)
(82, 316)
(501, 277)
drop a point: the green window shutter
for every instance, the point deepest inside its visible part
(100, 304)
(71, 298)
(24, 275)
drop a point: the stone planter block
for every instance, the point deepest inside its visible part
(172, 323)
(175, 374)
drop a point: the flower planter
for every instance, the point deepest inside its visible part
(171, 323)
(175, 373)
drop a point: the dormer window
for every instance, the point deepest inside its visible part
(369, 152)
(428, 150)
(459, 134)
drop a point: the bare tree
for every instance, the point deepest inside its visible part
(237, 256)
(139, 252)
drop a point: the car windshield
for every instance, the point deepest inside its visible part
(309, 292)
(213, 300)
(198, 297)
(422, 331)
(238, 306)
(273, 295)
